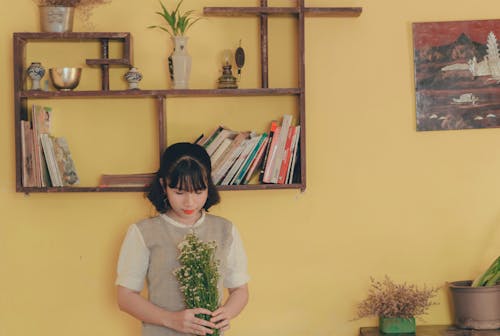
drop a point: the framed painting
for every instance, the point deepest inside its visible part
(457, 74)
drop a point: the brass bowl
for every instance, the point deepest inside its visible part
(66, 78)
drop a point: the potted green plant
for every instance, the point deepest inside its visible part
(177, 24)
(57, 15)
(476, 303)
(396, 305)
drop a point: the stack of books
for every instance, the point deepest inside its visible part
(237, 156)
(46, 160)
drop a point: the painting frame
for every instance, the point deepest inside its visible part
(457, 74)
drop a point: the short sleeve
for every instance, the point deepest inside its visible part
(133, 260)
(236, 272)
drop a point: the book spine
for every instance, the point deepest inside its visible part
(272, 154)
(274, 124)
(45, 141)
(280, 150)
(286, 156)
(293, 151)
(244, 168)
(228, 163)
(237, 164)
(212, 137)
(256, 161)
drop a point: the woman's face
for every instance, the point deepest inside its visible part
(185, 206)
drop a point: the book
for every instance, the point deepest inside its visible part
(295, 164)
(40, 120)
(247, 148)
(220, 150)
(48, 150)
(199, 140)
(286, 156)
(211, 137)
(257, 161)
(272, 153)
(222, 165)
(124, 180)
(64, 161)
(272, 129)
(28, 176)
(280, 148)
(293, 150)
(240, 174)
(219, 138)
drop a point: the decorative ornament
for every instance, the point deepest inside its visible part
(36, 72)
(227, 80)
(133, 77)
(239, 58)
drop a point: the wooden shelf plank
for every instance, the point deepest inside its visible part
(108, 61)
(316, 11)
(72, 36)
(29, 190)
(155, 93)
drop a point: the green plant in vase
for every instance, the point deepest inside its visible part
(177, 23)
(396, 305)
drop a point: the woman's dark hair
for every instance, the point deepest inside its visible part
(185, 166)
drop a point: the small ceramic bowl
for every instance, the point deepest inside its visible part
(66, 78)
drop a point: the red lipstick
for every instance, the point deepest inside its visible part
(188, 212)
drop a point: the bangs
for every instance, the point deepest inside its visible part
(188, 175)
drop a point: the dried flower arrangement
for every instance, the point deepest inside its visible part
(198, 274)
(388, 299)
(83, 7)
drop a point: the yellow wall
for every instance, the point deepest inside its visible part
(381, 198)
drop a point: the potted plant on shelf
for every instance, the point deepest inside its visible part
(177, 24)
(476, 304)
(57, 15)
(396, 305)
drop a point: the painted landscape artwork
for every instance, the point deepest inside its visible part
(457, 74)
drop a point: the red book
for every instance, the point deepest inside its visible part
(286, 156)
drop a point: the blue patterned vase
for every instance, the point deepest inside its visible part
(133, 77)
(36, 72)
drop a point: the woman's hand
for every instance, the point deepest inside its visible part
(221, 319)
(186, 321)
(238, 298)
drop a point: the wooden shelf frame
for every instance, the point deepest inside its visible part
(300, 11)
(22, 95)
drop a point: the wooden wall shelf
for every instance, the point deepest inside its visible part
(22, 95)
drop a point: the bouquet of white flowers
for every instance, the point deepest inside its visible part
(198, 274)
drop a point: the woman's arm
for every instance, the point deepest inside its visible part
(184, 321)
(237, 300)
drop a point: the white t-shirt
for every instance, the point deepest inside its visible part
(134, 258)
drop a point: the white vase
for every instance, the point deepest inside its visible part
(180, 63)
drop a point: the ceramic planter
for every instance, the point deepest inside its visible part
(475, 307)
(56, 19)
(180, 63)
(397, 325)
